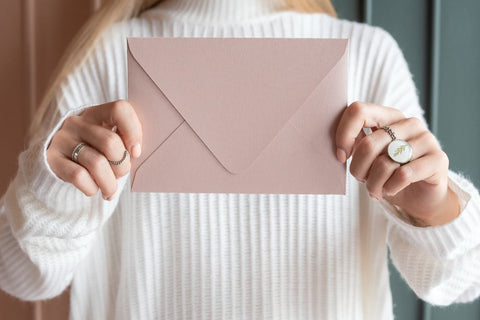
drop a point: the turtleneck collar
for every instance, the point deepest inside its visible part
(218, 11)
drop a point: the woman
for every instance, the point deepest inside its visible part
(232, 256)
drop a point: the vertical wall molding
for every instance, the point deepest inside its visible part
(30, 76)
(435, 6)
(366, 11)
(434, 74)
(29, 52)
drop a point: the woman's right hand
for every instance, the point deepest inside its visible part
(94, 127)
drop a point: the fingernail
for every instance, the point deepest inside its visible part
(341, 155)
(108, 198)
(136, 150)
(373, 197)
(388, 194)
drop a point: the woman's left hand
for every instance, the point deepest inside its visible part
(419, 187)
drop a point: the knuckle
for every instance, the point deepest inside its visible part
(445, 160)
(71, 121)
(383, 164)
(404, 174)
(91, 112)
(98, 162)
(367, 145)
(60, 134)
(120, 107)
(110, 143)
(90, 192)
(78, 176)
(426, 135)
(429, 138)
(414, 122)
(356, 109)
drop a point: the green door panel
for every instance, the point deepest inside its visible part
(441, 43)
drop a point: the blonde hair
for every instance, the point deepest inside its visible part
(110, 12)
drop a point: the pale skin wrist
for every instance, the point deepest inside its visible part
(443, 213)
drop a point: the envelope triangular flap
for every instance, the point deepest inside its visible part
(236, 93)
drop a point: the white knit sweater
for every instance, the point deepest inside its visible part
(229, 256)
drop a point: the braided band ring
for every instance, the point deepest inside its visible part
(119, 162)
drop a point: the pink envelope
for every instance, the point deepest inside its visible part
(236, 115)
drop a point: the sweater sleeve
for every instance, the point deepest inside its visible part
(47, 226)
(441, 264)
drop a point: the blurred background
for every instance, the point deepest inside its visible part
(440, 40)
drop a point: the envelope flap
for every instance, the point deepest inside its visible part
(236, 93)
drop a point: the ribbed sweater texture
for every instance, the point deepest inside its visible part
(229, 256)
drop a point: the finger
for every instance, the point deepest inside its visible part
(100, 170)
(428, 168)
(65, 143)
(357, 116)
(382, 168)
(424, 143)
(121, 114)
(71, 172)
(104, 140)
(370, 147)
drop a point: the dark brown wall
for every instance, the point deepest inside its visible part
(34, 34)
